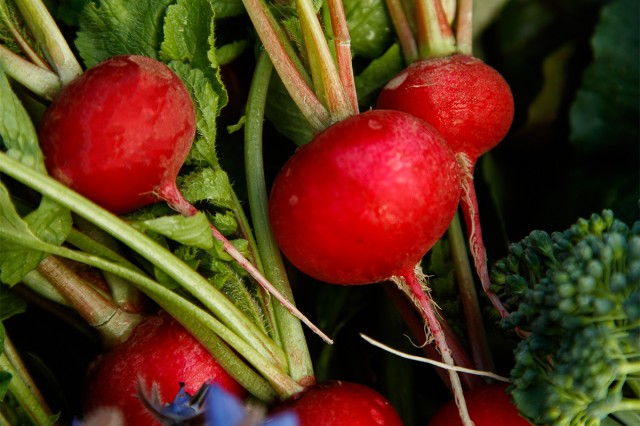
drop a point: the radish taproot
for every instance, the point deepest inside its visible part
(120, 132)
(366, 199)
(160, 352)
(339, 403)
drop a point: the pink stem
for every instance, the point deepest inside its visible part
(172, 195)
(343, 51)
(470, 211)
(405, 34)
(412, 287)
(416, 326)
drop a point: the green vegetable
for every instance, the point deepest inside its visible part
(577, 294)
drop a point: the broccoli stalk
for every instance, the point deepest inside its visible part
(576, 295)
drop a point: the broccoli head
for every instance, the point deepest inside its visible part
(575, 296)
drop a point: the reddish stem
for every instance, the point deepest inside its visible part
(412, 287)
(405, 34)
(416, 326)
(172, 195)
(469, 297)
(471, 213)
(342, 41)
(114, 324)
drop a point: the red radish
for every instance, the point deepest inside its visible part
(471, 105)
(488, 405)
(466, 100)
(120, 132)
(159, 351)
(366, 199)
(342, 403)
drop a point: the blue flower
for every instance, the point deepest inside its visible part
(224, 409)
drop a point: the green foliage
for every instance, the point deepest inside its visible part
(576, 295)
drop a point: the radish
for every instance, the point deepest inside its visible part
(160, 352)
(489, 405)
(120, 132)
(366, 199)
(340, 403)
(466, 100)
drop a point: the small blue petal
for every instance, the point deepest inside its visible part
(286, 418)
(223, 409)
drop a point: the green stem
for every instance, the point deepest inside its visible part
(46, 32)
(6, 16)
(464, 27)
(297, 86)
(295, 346)
(40, 81)
(473, 316)
(435, 37)
(323, 67)
(187, 314)
(23, 388)
(162, 258)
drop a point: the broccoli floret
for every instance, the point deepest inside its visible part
(576, 296)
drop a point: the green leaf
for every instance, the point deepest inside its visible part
(114, 27)
(188, 34)
(207, 98)
(228, 8)
(191, 231)
(15, 261)
(208, 185)
(283, 113)
(606, 111)
(370, 27)
(50, 222)
(377, 74)
(16, 128)
(10, 305)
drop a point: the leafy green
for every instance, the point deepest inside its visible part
(16, 129)
(113, 27)
(370, 27)
(209, 185)
(10, 305)
(606, 111)
(283, 113)
(193, 43)
(377, 74)
(191, 231)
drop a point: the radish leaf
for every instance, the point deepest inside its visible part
(113, 27)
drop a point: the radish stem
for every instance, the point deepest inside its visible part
(469, 298)
(470, 211)
(342, 41)
(405, 34)
(464, 27)
(172, 195)
(408, 282)
(294, 343)
(47, 33)
(306, 100)
(435, 37)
